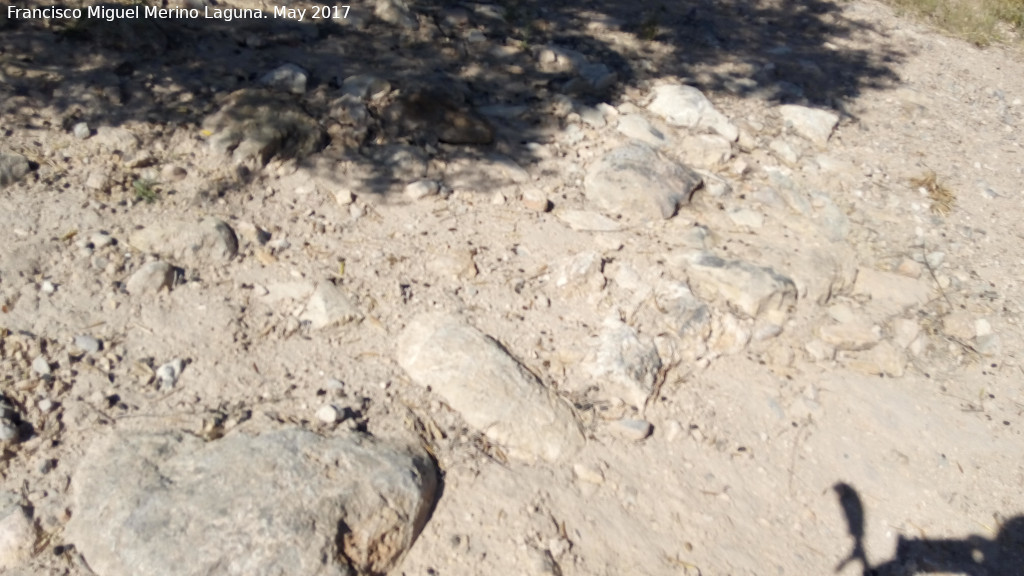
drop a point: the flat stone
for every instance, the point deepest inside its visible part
(329, 306)
(13, 167)
(151, 277)
(637, 182)
(581, 273)
(17, 532)
(885, 359)
(624, 364)
(639, 128)
(118, 139)
(208, 241)
(852, 335)
(891, 293)
(283, 503)
(631, 429)
(492, 391)
(687, 107)
(750, 290)
(88, 344)
(585, 220)
(811, 123)
(729, 334)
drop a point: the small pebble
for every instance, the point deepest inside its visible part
(81, 131)
(335, 384)
(47, 287)
(631, 429)
(327, 414)
(45, 405)
(40, 366)
(88, 344)
(167, 375)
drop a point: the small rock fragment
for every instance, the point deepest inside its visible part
(81, 131)
(853, 335)
(631, 429)
(585, 220)
(814, 125)
(960, 325)
(536, 200)
(288, 77)
(13, 167)
(624, 365)
(884, 359)
(150, 278)
(87, 344)
(17, 532)
(421, 189)
(41, 366)
(329, 306)
(327, 414)
(167, 375)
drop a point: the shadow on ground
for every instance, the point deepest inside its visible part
(174, 73)
(973, 556)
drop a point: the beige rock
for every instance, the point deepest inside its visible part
(910, 268)
(891, 293)
(536, 200)
(17, 533)
(850, 336)
(884, 359)
(960, 325)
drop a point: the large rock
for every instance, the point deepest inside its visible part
(494, 393)
(811, 123)
(687, 107)
(283, 503)
(209, 240)
(751, 291)
(13, 167)
(258, 124)
(637, 182)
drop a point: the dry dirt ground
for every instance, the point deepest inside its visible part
(880, 418)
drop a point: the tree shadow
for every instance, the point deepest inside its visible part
(974, 555)
(510, 64)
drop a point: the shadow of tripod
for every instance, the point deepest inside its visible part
(974, 555)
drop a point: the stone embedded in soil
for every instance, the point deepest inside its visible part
(811, 123)
(258, 124)
(151, 277)
(117, 139)
(631, 429)
(287, 77)
(13, 167)
(705, 150)
(282, 503)
(87, 344)
(637, 127)
(889, 292)
(17, 532)
(495, 394)
(41, 366)
(625, 364)
(329, 306)
(687, 107)
(635, 181)
(853, 335)
(581, 273)
(885, 359)
(208, 241)
(750, 290)
(167, 374)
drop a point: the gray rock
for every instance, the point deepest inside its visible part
(421, 189)
(284, 503)
(687, 107)
(686, 315)
(329, 306)
(598, 76)
(17, 532)
(592, 117)
(9, 433)
(167, 374)
(365, 87)
(885, 359)
(813, 124)
(208, 241)
(637, 127)
(631, 429)
(256, 124)
(81, 131)
(705, 150)
(635, 181)
(625, 365)
(13, 167)
(397, 13)
(287, 77)
(151, 277)
(41, 366)
(494, 393)
(88, 344)
(751, 291)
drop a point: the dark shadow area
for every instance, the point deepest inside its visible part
(467, 79)
(973, 556)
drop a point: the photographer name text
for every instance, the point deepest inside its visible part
(135, 12)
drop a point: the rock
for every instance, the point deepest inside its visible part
(41, 366)
(989, 345)
(208, 241)
(151, 277)
(982, 327)
(904, 331)
(396, 13)
(687, 107)
(688, 317)
(729, 334)
(592, 117)
(637, 127)
(631, 429)
(365, 87)
(13, 167)
(258, 124)
(17, 532)
(891, 293)
(9, 432)
(705, 150)
(455, 263)
(167, 374)
(584, 220)
(327, 414)
(88, 344)
(494, 393)
(116, 139)
(885, 359)
(283, 503)
(751, 291)
(536, 200)
(588, 474)
(598, 76)
(624, 365)
(97, 180)
(960, 325)
(581, 273)
(853, 335)
(635, 181)
(421, 189)
(783, 151)
(287, 77)
(818, 351)
(424, 114)
(81, 131)
(814, 125)
(329, 306)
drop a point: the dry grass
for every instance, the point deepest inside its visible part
(979, 21)
(943, 199)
